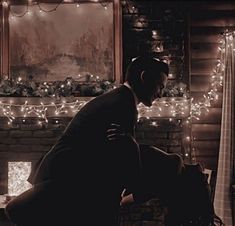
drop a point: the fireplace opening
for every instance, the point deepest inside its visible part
(18, 173)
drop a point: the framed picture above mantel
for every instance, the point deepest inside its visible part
(52, 42)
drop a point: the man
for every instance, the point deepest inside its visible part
(86, 167)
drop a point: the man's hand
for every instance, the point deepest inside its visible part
(126, 199)
(116, 133)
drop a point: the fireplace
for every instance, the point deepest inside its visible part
(18, 173)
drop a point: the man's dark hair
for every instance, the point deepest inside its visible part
(150, 65)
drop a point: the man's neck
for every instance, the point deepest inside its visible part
(135, 97)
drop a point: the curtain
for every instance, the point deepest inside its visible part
(223, 195)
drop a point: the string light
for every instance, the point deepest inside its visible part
(49, 10)
(42, 8)
(5, 3)
(216, 80)
(13, 14)
(212, 95)
(161, 108)
(168, 107)
(40, 111)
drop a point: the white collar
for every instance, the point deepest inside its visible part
(129, 87)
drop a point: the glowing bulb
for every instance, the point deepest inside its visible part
(154, 32)
(4, 3)
(170, 76)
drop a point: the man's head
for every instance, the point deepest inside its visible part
(147, 77)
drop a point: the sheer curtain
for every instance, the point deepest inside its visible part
(223, 196)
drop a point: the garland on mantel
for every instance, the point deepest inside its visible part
(91, 86)
(174, 104)
(69, 87)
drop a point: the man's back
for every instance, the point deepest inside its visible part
(84, 144)
(83, 159)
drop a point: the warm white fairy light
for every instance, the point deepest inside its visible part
(197, 108)
(39, 110)
(7, 111)
(216, 79)
(166, 107)
(18, 173)
(5, 3)
(154, 123)
(170, 107)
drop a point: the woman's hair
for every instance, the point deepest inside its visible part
(191, 203)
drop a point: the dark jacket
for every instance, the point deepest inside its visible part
(84, 162)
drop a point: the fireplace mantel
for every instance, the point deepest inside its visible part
(161, 108)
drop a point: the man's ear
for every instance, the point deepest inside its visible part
(142, 76)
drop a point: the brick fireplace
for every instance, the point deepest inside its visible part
(27, 141)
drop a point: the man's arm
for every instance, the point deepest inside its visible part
(131, 163)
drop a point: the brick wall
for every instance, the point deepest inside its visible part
(164, 133)
(28, 141)
(157, 28)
